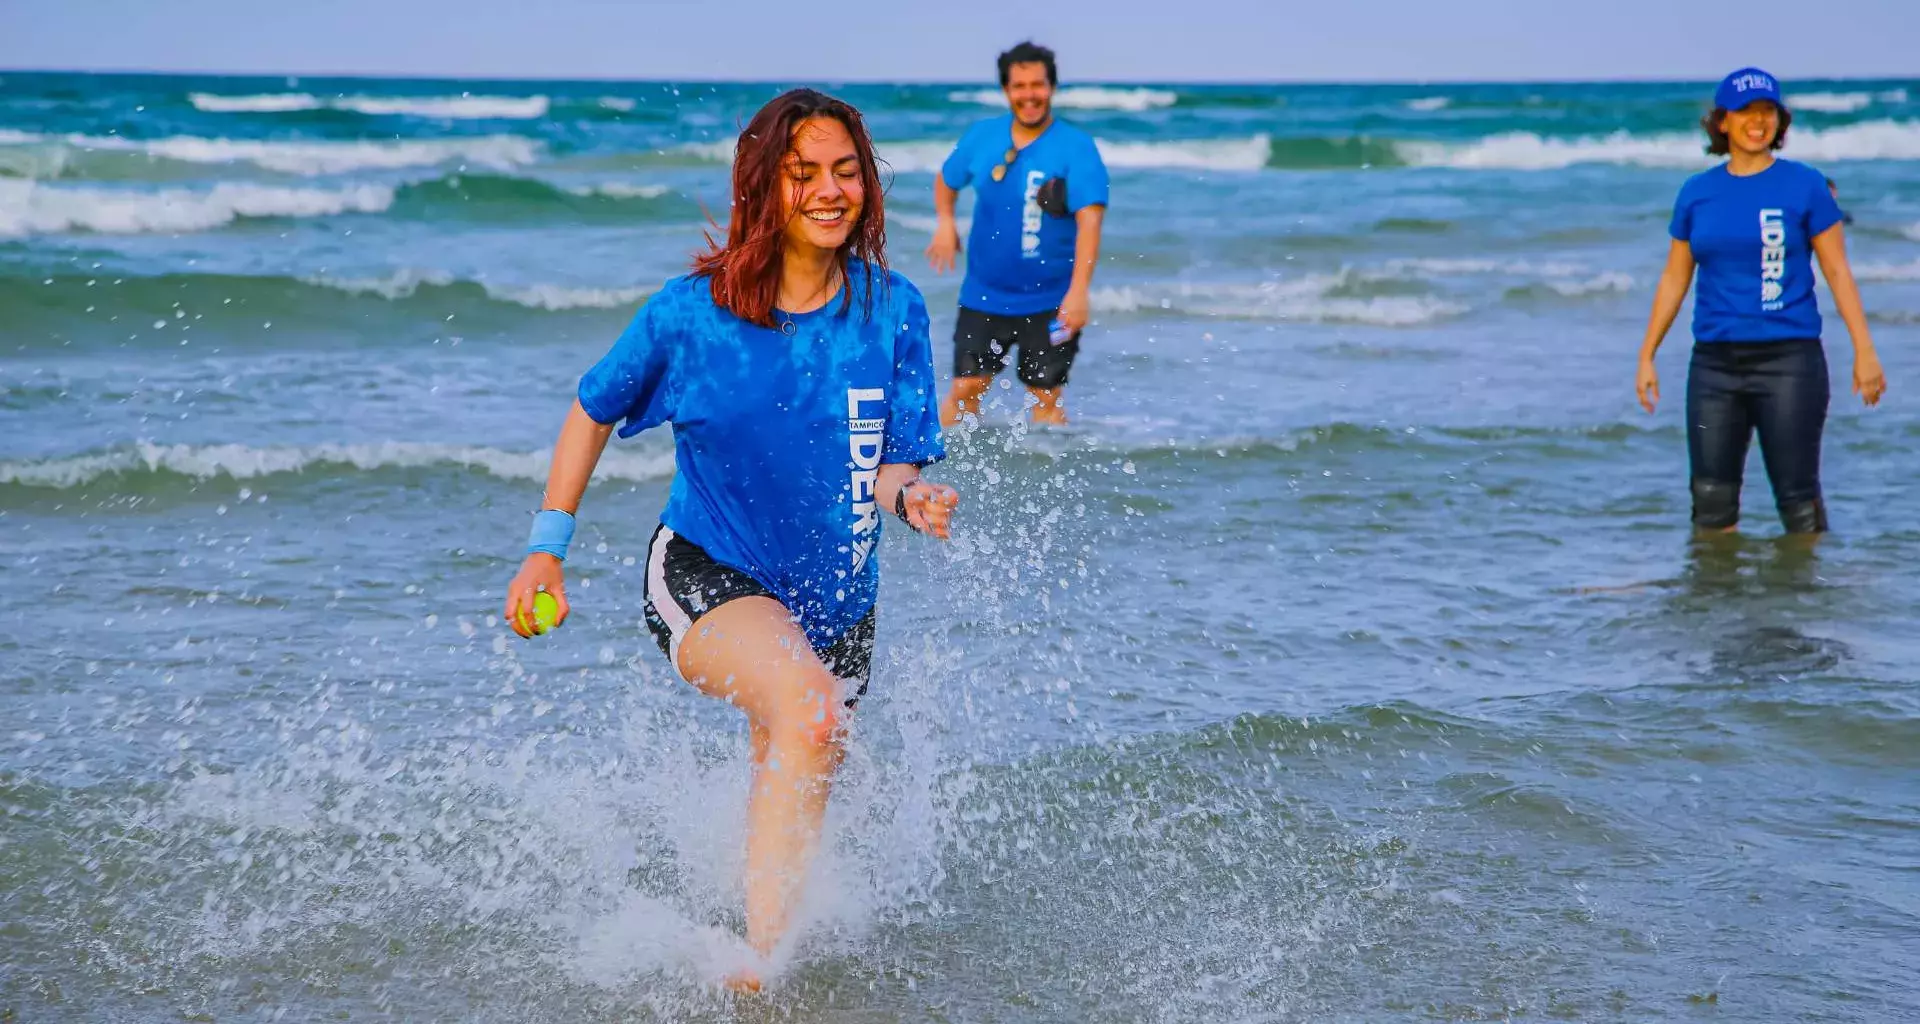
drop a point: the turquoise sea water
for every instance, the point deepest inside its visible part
(1347, 659)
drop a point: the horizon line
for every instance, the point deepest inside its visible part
(706, 80)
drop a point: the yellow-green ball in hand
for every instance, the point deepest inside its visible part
(546, 613)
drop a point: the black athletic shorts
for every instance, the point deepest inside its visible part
(981, 342)
(684, 583)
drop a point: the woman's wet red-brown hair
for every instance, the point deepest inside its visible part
(745, 273)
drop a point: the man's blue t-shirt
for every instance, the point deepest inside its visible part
(1752, 238)
(778, 438)
(1019, 258)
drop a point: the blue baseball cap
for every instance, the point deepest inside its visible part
(1747, 85)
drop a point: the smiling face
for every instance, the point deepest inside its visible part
(824, 194)
(1029, 93)
(1752, 128)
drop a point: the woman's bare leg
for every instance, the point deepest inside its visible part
(750, 653)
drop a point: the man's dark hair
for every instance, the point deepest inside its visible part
(1028, 53)
(1717, 143)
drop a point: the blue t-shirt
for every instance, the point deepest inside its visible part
(1752, 238)
(778, 439)
(1020, 259)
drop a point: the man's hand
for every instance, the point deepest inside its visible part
(945, 247)
(1074, 309)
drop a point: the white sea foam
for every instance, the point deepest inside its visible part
(1081, 97)
(1884, 139)
(406, 282)
(1417, 267)
(1529, 152)
(1888, 271)
(620, 103)
(622, 190)
(1830, 102)
(1243, 154)
(925, 156)
(464, 107)
(1611, 281)
(1306, 299)
(1913, 232)
(270, 103)
(924, 224)
(469, 108)
(30, 208)
(910, 157)
(558, 297)
(1868, 140)
(244, 462)
(400, 284)
(1426, 103)
(499, 152)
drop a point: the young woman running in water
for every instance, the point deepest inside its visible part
(798, 375)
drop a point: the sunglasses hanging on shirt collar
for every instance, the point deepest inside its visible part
(1000, 169)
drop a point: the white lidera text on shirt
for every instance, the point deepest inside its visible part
(1773, 257)
(865, 438)
(1030, 216)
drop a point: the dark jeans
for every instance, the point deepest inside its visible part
(1779, 388)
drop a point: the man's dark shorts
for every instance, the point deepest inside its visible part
(981, 342)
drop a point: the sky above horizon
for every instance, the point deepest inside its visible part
(1118, 40)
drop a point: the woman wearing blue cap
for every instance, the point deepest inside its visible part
(1750, 226)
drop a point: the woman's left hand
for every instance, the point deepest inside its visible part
(930, 507)
(1869, 381)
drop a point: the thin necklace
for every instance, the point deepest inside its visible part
(786, 318)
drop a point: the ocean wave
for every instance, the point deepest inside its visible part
(1450, 266)
(1082, 97)
(1888, 271)
(909, 157)
(1247, 154)
(1831, 102)
(554, 297)
(1429, 103)
(31, 208)
(1316, 298)
(622, 190)
(64, 309)
(1396, 293)
(28, 207)
(310, 158)
(925, 156)
(271, 103)
(405, 284)
(462, 107)
(136, 467)
(1525, 151)
(1609, 283)
(511, 197)
(447, 107)
(1867, 140)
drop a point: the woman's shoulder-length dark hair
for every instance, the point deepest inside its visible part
(745, 272)
(1717, 143)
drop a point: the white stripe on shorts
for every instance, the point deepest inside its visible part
(664, 604)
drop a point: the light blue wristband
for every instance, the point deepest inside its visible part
(552, 532)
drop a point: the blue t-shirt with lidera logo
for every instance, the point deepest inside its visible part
(777, 437)
(1752, 239)
(1019, 258)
